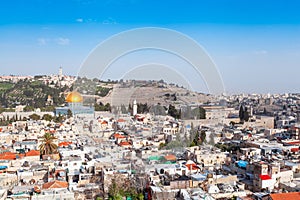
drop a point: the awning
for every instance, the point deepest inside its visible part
(154, 157)
(264, 177)
(242, 163)
(3, 167)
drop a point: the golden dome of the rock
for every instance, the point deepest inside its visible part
(74, 97)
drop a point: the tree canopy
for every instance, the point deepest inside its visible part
(48, 146)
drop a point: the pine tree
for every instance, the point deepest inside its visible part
(203, 137)
(246, 114)
(69, 114)
(241, 113)
(202, 113)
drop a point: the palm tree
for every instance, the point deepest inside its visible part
(48, 146)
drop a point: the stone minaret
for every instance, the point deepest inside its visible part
(134, 108)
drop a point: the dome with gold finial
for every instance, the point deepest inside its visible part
(74, 97)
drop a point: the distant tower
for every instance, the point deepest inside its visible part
(49, 101)
(251, 110)
(60, 72)
(134, 108)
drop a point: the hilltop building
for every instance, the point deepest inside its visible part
(60, 73)
(75, 104)
(49, 101)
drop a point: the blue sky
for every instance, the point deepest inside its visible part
(255, 44)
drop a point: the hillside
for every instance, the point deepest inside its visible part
(152, 93)
(32, 93)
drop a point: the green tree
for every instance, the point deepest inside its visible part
(2, 110)
(101, 107)
(130, 109)
(59, 118)
(48, 146)
(187, 113)
(211, 139)
(198, 138)
(107, 107)
(246, 114)
(202, 113)
(69, 114)
(140, 196)
(123, 109)
(47, 117)
(16, 117)
(284, 107)
(241, 113)
(28, 109)
(161, 145)
(199, 112)
(114, 191)
(203, 136)
(48, 109)
(192, 133)
(143, 108)
(158, 109)
(194, 137)
(173, 112)
(35, 117)
(175, 144)
(193, 144)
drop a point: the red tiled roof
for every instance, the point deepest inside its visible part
(55, 184)
(294, 142)
(8, 156)
(117, 135)
(285, 196)
(192, 166)
(295, 149)
(121, 120)
(264, 177)
(33, 153)
(21, 155)
(104, 122)
(124, 143)
(37, 189)
(170, 157)
(64, 144)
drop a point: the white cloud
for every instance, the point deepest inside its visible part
(87, 20)
(261, 52)
(62, 41)
(42, 41)
(59, 41)
(109, 21)
(80, 20)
